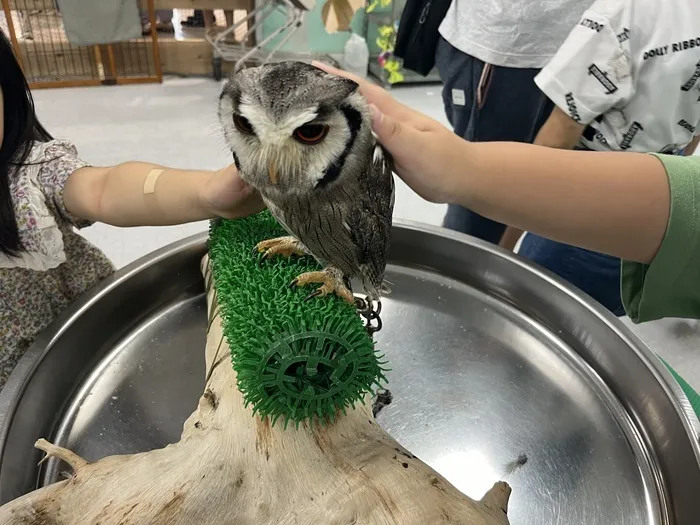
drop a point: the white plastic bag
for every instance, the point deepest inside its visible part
(356, 56)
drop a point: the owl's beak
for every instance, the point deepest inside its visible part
(272, 172)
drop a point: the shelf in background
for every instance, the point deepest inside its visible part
(410, 77)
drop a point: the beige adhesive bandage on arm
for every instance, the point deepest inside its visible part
(149, 183)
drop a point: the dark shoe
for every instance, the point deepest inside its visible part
(165, 27)
(194, 21)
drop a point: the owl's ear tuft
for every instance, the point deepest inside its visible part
(337, 88)
(350, 85)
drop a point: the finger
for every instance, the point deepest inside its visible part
(373, 93)
(337, 72)
(381, 98)
(396, 136)
(410, 147)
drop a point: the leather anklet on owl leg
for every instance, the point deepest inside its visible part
(285, 246)
(331, 281)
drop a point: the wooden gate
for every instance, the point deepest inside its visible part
(49, 60)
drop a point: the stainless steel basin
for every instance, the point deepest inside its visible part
(494, 364)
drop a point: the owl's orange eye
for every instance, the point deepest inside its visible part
(311, 134)
(242, 124)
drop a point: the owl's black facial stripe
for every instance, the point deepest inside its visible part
(236, 162)
(354, 120)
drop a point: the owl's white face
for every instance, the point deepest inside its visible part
(292, 137)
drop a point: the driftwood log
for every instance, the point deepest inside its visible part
(230, 468)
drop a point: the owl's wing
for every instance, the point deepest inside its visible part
(370, 221)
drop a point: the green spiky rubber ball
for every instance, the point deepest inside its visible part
(295, 360)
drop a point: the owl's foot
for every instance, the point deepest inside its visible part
(285, 246)
(331, 281)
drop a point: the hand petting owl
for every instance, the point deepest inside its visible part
(302, 137)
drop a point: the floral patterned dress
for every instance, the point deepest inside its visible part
(57, 265)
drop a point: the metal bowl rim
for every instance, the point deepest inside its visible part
(19, 379)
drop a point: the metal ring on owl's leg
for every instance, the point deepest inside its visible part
(366, 310)
(370, 306)
(372, 329)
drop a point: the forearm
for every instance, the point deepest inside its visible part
(559, 131)
(608, 202)
(690, 148)
(137, 194)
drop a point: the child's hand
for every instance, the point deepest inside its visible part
(227, 195)
(427, 156)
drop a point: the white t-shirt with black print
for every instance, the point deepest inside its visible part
(511, 33)
(630, 72)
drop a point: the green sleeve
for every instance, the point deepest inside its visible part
(670, 285)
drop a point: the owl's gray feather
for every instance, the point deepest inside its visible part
(337, 196)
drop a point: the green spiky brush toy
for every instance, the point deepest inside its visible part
(296, 360)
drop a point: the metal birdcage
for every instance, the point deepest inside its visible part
(48, 59)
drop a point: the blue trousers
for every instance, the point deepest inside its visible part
(595, 273)
(486, 103)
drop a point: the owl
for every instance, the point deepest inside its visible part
(303, 139)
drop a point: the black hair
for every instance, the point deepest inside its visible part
(21, 130)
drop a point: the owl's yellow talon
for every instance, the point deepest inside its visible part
(285, 246)
(330, 281)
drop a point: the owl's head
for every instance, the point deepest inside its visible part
(294, 127)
